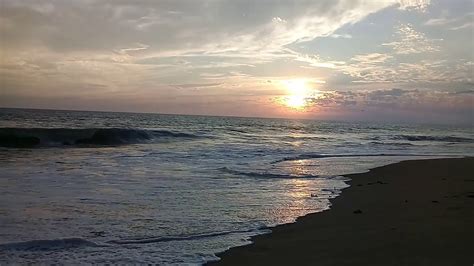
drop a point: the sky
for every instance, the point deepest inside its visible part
(380, 60)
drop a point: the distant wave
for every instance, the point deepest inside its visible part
(180, 238)
(264, 175)
(432, 138)
(42, 245)
(317, 156)
(391, 143)
(303, 137)
(237, 130)
(54, 137)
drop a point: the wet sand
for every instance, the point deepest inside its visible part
(410, 213)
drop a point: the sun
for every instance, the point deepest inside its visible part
(298, 93)
(296, 101)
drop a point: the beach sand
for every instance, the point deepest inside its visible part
(410, 213)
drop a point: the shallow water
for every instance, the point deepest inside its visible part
(92, 187)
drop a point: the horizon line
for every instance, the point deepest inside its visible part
(243, 117)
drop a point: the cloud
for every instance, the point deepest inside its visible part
(429, 104)
(454, 23)
(343, 36)
(386, 68)
(179, 26)
(226, 50)
(147, 44)
(412, 42)
(418, 5)
(439, 21)
(424, 105)
(471, 91)
(371, 59)
(137, 47)
(466, 25)
(316, 61)
(195, 85)
(370, 68)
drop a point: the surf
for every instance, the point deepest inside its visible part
(90, 137)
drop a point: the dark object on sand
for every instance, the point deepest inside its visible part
(357, 211)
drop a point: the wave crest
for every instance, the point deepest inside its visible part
(432, 138)
(181, 238)
(39, 245)
(264, 174)
(319, 156)
(54, 137)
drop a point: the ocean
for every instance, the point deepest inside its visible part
(98, 187)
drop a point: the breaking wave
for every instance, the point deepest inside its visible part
(432, 138)
(44, 245)
(181, 238)
(318, 156)
(264, 174)
(54, 137)
(401, 144)
(66, 243)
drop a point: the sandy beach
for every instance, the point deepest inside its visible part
(416, 212)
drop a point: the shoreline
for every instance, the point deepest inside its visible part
(414, 212)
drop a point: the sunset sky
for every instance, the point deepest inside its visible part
(400, 60)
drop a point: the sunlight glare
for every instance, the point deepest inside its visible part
(296, 101)
(298, 93)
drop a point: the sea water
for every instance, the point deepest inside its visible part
(97, 187)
